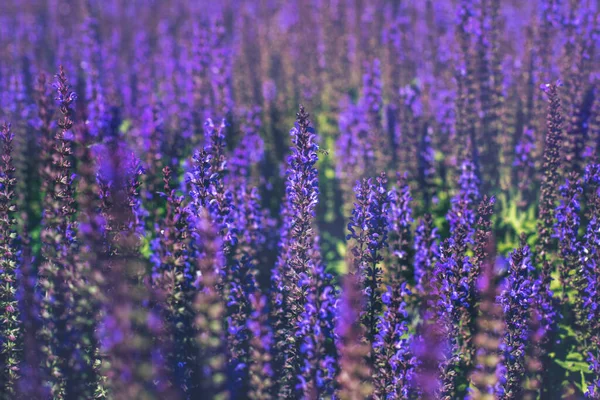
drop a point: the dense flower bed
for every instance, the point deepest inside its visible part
(429, 229)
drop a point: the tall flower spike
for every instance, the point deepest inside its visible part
(462, 212)
(368, 228)
(242, 280)
(170, 245)
(171, 277)
(400, 220)
(207, 185)
(551, 170)
(453, 289)
(296, 264)
(57, 251)
(456, 277)
(516, 301)
(565, 230)
(589, 262)
(395, 364)
(547, 306)
(11, 335)
(316, 328)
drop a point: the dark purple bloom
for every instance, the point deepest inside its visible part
(368, 228)
(547, 306)
(296, 265)
(11, 335)
(566, 228)
(58, 281)
(207, 185)
(394, 368)
(550, 180)
(462, 212)
(315, 328)
(400, 220)
(589, 282)
(517, 300)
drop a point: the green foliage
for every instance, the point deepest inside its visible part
(510, 222)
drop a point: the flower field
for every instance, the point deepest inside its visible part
(304, 199)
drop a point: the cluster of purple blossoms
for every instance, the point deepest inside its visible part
(516, 300)
(161, 238)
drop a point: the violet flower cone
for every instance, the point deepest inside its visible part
(516, 301)
(368, 228)
(295, 267)
(11, 335)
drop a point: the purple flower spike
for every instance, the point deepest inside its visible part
(517, 300)
(368, 228)
(11, 334)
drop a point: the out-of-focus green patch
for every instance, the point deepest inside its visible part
(339, 266)
(511, 222)
(555, 285)
(341, 249)
(35, 239)
(333, 250)
(572, 361)
(582, 385)
(325, 124)
(145, 250)
(329, 173)
(440, 211)
(125, 126)
(580, 367)
(336, 257)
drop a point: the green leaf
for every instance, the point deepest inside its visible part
(573, 356)
(574, 366)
